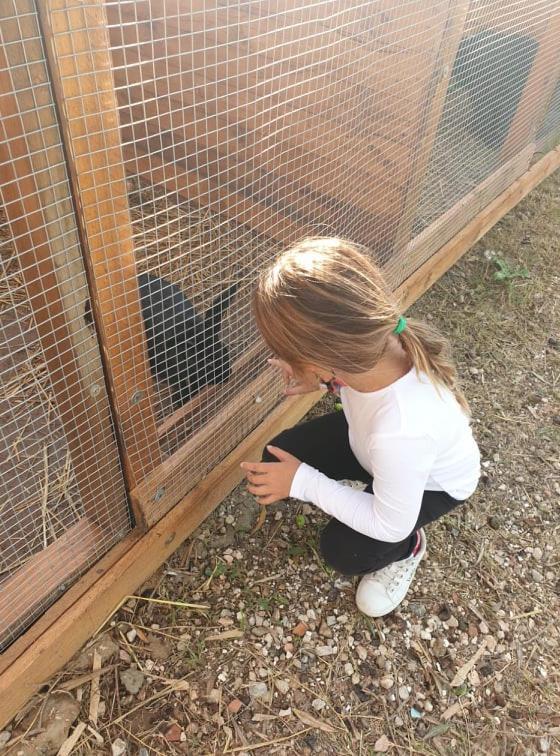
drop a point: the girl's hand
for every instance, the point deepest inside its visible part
(293, 386)
(271, 481)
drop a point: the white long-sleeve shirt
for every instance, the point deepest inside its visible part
(411, 437)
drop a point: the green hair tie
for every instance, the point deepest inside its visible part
(401, 325)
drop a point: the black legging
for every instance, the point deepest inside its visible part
(323, 444)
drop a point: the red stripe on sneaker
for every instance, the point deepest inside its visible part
(416, 548)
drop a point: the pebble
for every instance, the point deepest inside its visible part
(4, 737)
(234, 706)
(283, 686)
(382, 744)
(318, 704)
(452, 622)
(300, 629)
(404, 693)
(331, 620)
(381, 661)
(537, 576)
(348, 669)
(537, 553)
(325, 630)
(132, 679)
(428, 706)
(118, 747)
(483, 627)
(362, 652)
(399, 721)
(258, 690)
(494, 522)
(131, 635)
(343, 619)
(387, 682)
(324, 650)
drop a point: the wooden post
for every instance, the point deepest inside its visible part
(429, 122)
(77, 46)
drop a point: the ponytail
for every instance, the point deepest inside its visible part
(430, 353)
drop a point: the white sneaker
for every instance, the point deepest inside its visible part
(382, 591)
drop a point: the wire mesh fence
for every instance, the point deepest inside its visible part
(62, 498)
(199, 137)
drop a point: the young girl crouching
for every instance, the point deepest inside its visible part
(325, 311)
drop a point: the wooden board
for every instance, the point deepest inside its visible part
(63, 636)
(448, 225)
(429, 120)
(76, 42)
(242, 411)
(440, 262)
(38, 581)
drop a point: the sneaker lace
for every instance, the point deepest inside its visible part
(394, 574)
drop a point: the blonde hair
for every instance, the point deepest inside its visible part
(325, 302)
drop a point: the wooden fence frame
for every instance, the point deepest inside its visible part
(63, 629)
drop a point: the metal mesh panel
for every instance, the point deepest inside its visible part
(548, 135)
(204, 135)
(247, 125)
(62, 500)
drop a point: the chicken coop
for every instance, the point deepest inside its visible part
(155, 154)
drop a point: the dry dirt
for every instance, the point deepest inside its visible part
(278, 660)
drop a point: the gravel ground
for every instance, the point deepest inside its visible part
(278, 661)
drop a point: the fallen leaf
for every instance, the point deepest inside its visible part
(436, 730)
(173, 734)
(462, 673)
(455, 708)
(382, 744)
(234, 706)
(312, 721)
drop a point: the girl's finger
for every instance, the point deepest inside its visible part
(255, 477)
(280, 453)
(256, 467)
(257, 490)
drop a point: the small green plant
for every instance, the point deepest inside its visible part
(506, 272)
(296, 550)
(300, 521)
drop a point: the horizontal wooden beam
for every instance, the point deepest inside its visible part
(62, 637)
(163, 488)
(428, 273)
(39, 579)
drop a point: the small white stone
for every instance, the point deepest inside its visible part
(387, 682)
(118, 747)
(404, 693)
(258, 690)
(131, 635)
(362, 652)
(348, 669)
(283, 686)
(318, 704)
